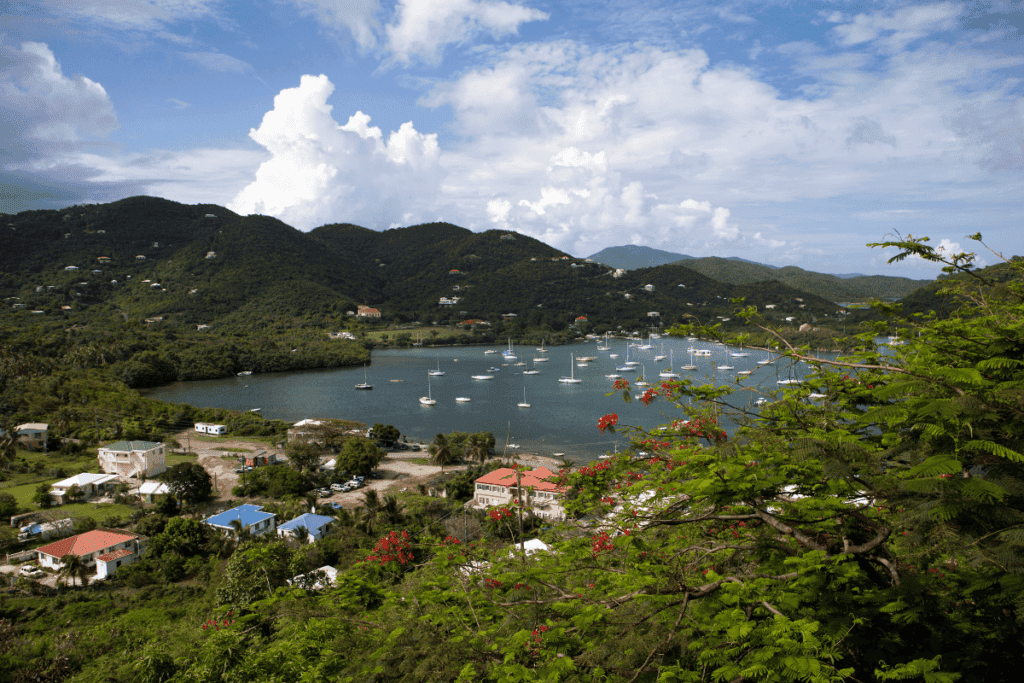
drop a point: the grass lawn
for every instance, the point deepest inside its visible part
(24, 492)
(178, 458)
(249, 439)
(100, 512)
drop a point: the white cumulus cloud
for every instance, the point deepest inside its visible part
(422, 28)
(42, 111)
(322, 172)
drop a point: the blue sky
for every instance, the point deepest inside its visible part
(781, 132)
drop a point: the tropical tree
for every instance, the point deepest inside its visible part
(72, 566)
(303, 455)
(371, 509)
(189, 482)
(359, 456)
(392, 510)
(441, 452)
(477, 447)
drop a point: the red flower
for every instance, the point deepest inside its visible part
(608, 422)
(648, 396)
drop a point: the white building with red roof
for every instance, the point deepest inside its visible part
(540, 493)
(105, 550)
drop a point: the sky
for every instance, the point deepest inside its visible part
(788, 133)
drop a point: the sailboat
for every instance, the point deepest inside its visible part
(508, 353)
(641, 381)
(767, 361)
(428, 399)
(661, 356)
(628, 366)
(668, 374)
(439, 371)
(571, 379)
(691, 366)
(542, 349)
(534, 370)
(364, 384)
(524, 404)
(605, 347)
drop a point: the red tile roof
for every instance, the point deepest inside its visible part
(83, 544)
(538, 479)
(116, 555)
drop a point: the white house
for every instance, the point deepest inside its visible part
(252, 518)
(316, 579)
(648, 288)
(70, 267)
(134, 458)
(539, 493)
(148, 489)
(316, 526)
(87, 482)
(99, 548)
(212, 430)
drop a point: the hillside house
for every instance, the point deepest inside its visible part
(70, 267)
(252, 518)
(103, 259)
(133, 459)
(581, 318)
(653, 314)
(210, 215)
(32, 436)
(140, 257)
(455, 271)
(367, 312)
(211, 254)
(88, 483)
(104, 550)
(316, 526)
(149, 489)
(648, 288)
(539, 493)
(316, 579)
(212, 430)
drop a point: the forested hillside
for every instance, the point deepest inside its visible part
(859, 288)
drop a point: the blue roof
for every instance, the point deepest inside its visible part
(246, 514)
(312, 522)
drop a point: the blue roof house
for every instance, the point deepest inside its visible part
(316, 526)
(252, 518)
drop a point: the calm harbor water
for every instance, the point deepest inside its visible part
(562, 418)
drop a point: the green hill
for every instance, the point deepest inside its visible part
(831, 287)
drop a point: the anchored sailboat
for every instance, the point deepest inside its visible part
(427, 400)
(571, 379)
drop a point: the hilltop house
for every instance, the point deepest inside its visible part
(133, 458)
(149, 489)
(367, 312)
(105, 550)
(539, 492)
(316, 526)
(87, 482)
(252, 518)
(32, 435)
(648, 288)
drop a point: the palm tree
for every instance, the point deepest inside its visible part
(441, 452)
(301, 534)
(242, 532)
(392, 510)
(477, 448)
(72, 566)
(371, 507)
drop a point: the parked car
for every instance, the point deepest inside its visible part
(337, 487)
(324, 493)
(32, 572)
(415, 447)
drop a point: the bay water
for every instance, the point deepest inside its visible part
(562, 418)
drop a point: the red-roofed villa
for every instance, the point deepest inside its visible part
(540, 493)
(104, 550)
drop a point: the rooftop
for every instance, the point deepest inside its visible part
(537, 479)
(310, 521)
(129, 446)
(83, 544)
(247, 514)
